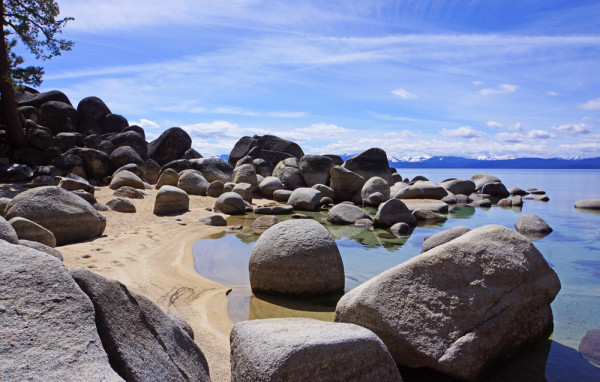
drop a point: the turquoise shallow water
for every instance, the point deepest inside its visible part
(572, 249)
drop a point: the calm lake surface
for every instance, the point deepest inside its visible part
(572, 249)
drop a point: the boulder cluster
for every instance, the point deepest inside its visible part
(71, 326)
(470, 301)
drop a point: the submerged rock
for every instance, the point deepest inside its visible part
(532, 224)
(346, 214)
(393, 211)
(588, 204)
(301, 349)
(462, 307)
(589, 346)
(214, 220)
(296, 257)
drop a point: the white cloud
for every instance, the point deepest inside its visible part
(552, 93)
(593, 104)
(477, 83)
(574, 128)
(540, 134)
(501, 89)
(146, 124)
(499, 126)
(494, 125)
(510, 137)
(404, 94)
(461, 132)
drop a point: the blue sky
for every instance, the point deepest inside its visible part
(470, 78)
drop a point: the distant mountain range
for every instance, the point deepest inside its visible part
(484, 162)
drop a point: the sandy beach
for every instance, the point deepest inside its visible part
(152, 255)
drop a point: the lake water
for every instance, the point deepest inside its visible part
(572, 249)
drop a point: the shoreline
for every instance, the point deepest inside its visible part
(152, 256)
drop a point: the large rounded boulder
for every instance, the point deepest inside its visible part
(192, 182)
(422, 189)
(69, 217)
(230, 203)
(296, 257)
(346, 214)
(457, 186)
(460, 308)
(288, 172)
(171, 200)
(315, 169)
(301, 349)
(305, 198)
(170, 145)
(58, 117)
(481, 180)
(373, 162)
(346, 184)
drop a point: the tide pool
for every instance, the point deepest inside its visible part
(572, 249)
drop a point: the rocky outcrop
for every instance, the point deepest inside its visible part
(170, 145)
(143, 343)
(462, 307)
(296, 257)
(373, 162)
(301, 349)
(48, 327)
(67, 216)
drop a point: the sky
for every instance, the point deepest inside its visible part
(414, 77)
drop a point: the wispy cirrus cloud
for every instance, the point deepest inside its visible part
(500, 89)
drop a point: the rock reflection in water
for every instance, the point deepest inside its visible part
(321, 308)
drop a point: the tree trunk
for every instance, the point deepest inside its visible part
(14, 127)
